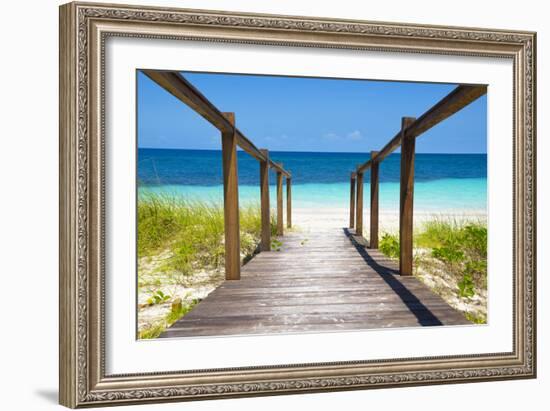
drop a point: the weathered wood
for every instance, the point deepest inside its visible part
(183, 90)
(289, 202)
(265, 241)
(297, 290)
(453, 102)
(374, 181)
(359, 206)
(406, 185)
(352, 201)
(456, 100)
(280, 229)
(231, 202)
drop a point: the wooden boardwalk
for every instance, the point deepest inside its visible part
(323, 281)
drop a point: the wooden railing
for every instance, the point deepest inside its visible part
(178, 86)
(411, 128)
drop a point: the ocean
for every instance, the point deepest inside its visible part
(443, 182)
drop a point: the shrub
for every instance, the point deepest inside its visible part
(450, 254)
(466, 286)
(462, 248)
(389, 245)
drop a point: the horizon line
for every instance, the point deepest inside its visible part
(292, 151)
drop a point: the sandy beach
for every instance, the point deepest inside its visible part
(319, 218)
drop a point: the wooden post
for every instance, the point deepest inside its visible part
(280, 203)
(231, 203)
(406, 199)
(352, 201)
(374, 180)
(289, 202)
(359, 207)
(265, 242)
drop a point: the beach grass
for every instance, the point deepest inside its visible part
(193, 231)
(178, 241)
(450, 252)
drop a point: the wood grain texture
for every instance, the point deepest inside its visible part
(352, 201)
(359, 205)
(231, 202)
(328, 283)
(289, 202)
(265, 242)
(176, 84)
(406, 188)
(374, 188)
(280, 223)
(455, 101)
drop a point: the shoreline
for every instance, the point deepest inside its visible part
(330, 217)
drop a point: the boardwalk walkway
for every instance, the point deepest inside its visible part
(318, 281)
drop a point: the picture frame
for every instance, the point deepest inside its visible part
(84, 31)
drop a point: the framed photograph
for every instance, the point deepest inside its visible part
(259, 204)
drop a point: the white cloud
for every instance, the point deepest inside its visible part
(355, 135)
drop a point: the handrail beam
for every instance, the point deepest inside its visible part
(456, 100)
(183, 90)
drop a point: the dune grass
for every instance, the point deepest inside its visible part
(456, 248)
(183, 238)
(462, 247)
(193, 231)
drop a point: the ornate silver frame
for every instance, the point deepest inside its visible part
(83, 30)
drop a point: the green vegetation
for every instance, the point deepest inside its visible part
(276, 245)
(158, 297)
(476, 319)
(175, 314)
(192, 232)
(389, 245)
(462, 248)
(178, 238)
(457, 250)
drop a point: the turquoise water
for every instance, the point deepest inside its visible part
(442, 181)
(448, 194)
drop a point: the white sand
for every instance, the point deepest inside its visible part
(326, 218)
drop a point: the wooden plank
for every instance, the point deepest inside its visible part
(289, 202)
(456, 100)
(231, 202)
(359, 206)
(280, 229)
(406, 184)
(336, 285)
(265, 242)
(352, 201)
(374, 181)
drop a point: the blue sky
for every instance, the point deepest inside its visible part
(307, 114)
